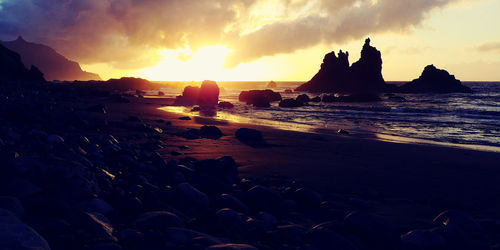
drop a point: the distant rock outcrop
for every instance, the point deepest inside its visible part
(53, 65)
(207, 95)
(434, 80)
(12, 68)
(271, 85)
(130, 83)
(335, 75)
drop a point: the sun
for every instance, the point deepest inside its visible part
(187, 65)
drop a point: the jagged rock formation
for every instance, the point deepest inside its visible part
(335, 75)
(53, 65)
(271, 85)
(12, 68)
(434, 80)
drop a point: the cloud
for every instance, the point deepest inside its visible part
(492, 46)
(123, 33)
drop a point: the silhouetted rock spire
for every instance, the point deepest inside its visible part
(335, 74)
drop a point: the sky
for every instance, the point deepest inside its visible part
(260, 40)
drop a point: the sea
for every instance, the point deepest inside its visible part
(458, 119)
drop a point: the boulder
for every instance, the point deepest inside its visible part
(208, 94)
(226, 105)
(307, 197)
(303, 98)
(13, 205)
(96, 205)
(434, 80)
(232, 247)
(324, 238)
(228, 219)
(261, 198)
(14, 234)
(250, 137)
(374, 231)
(422, 239)
(192, 196)
(229, 201)
(456, 218)
(290, 103)
(316, 99)
(158, 220)
(211, 132)
(259, 98)
(215, 176)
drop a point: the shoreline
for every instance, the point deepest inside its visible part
(296, 127)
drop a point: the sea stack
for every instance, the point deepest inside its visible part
(207, 95)
(335, 75)
(434, 80)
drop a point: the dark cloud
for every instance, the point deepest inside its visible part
(119, 32)
(492, 46)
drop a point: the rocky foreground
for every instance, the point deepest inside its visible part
(75, 176)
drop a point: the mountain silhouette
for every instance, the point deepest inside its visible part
(53, 65)
(12, 68)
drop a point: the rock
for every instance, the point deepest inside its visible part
(96, 205)
(264, 199)
(316, 99)
(288, 91)
(372, 230)
(13, 205)
(288, 234)
(230, 220)
(324, 238)
(422, 239)
(192, 196)
(54, 139)
(210, 132)
(226, 105)
(335, 75)
(342, 132)
(303, 98)
(250, 137)
(215, 176)
(208, 94)
(158, 220)
(98, 225)
(191, 134)
(180, 236)
(22, 188)
(307, 197)
(259, 98)
(290, 103)
(185, 118)
(195, 109)
(271, 85)
(434, 80)
(232, 247)
(161, 93)
(14, 234)
(458, 219)
(229, 201)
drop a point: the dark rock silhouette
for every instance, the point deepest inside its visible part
(259, 98)
(53, 65)
(207, 95)
(434, 80)
(335, 75)
(12, 69)
(303, 98)
(226, 105)
(250, 137)
(130, 83)
(271, 85)
(290, 103)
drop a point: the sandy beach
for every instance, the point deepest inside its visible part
(414, 180)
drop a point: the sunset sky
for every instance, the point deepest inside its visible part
(264, 40)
